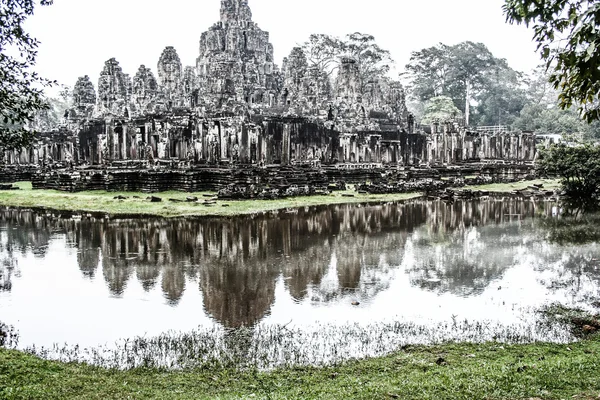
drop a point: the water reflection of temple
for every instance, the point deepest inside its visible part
(463, 249)
(238, 262)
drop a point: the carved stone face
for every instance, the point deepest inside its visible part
(169, 68)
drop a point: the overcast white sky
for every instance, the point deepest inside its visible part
(78, 36)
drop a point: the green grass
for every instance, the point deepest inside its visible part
(452, 371)
(104, 202)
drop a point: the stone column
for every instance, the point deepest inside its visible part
(286, 145)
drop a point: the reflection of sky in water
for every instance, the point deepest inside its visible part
(94, 281)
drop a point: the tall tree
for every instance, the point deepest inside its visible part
(568, 37)
(21, 89)
(461, 72)
(471, 65)
(373, 61)
(541, 113)
(503, 98)
(49, 118)
(429, 69)
(323, 52)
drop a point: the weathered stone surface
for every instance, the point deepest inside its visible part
(144, 92)
(347, 87)
(84, 98)
(113, 90)
(170, 74)
(190, 87)
(235, 65)
(295, 72)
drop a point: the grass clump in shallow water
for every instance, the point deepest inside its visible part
(272, 346)
(581, 323)
(490, 370)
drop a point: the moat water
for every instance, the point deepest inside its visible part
(421, 270)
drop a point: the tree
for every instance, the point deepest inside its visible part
(49, 118)
(567, 33)
(542, 115)
(312, 65)
(323, 52)
(373, 61)
(21, 90)
(470, 66)
(440, 109)
(429, 70)
(462, 72)
(579, 170)
(503, 98)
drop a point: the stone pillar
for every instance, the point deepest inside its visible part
(124, 142)
(286, 145)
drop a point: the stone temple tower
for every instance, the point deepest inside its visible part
(348, 80)
(235, 66)
(235, 12)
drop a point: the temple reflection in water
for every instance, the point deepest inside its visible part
(321, 254)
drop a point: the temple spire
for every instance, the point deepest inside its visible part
(235, 11)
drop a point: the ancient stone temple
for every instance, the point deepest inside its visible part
(236, 117)
(144, 94)
(170, 75)
(114, 89)
(84, 98)
(236, 60)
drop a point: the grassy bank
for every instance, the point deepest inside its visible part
(135, 204)
(452, 371)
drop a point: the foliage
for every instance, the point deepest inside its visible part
(323, 53)
(568, 230)
(440, 109)
(549, 119)
(429, 72)
(568, 37)
(579, 170)
(8, 336)
(542, 115)
(49, 118)
(21, 93)
(373, 61)
(503, 98)
(462, 72)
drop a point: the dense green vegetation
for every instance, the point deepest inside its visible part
(451, 371)
(567, 35)
(21, 89)
(136, 203)
(487, 91)
(579, 170)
